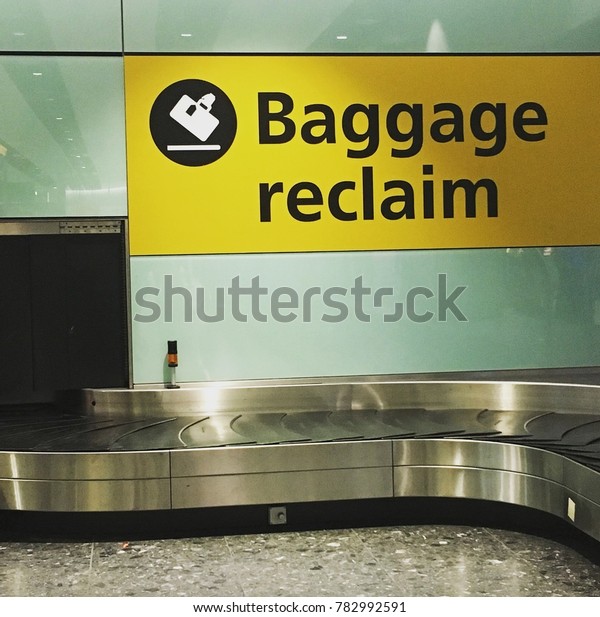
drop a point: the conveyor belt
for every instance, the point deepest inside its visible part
(536, 445)
(572, 434)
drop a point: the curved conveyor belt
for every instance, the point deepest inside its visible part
(531, 444)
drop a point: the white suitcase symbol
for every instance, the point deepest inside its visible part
(195, 116)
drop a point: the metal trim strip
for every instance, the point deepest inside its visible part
(350, 394)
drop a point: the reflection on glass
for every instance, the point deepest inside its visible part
(62, 150)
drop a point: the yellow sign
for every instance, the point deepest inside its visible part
(259, 154)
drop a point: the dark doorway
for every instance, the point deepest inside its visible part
(63, 311)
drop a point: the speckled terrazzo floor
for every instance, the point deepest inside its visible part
(407, 561)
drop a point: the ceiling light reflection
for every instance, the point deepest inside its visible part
(14, 469)
(436, 41)
(117, 190)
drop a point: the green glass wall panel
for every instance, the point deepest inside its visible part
(62, 136)
(317, 314)
(350, 26)
(60, 25)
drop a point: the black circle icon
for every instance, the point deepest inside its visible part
(193, 122)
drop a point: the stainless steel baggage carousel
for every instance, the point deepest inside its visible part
(274, 443)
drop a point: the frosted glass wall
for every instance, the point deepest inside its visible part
(62, 130)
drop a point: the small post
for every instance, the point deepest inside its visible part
(172, 363)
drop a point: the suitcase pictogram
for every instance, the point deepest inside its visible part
(196, 116)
